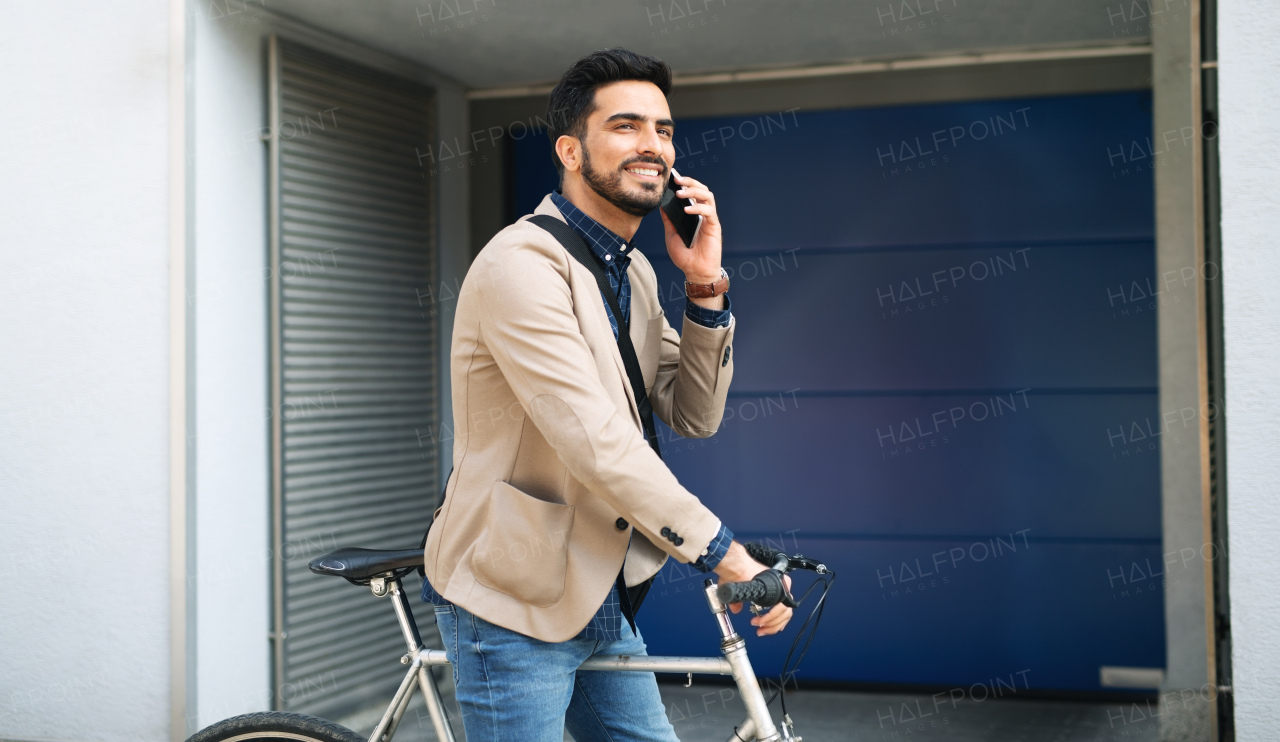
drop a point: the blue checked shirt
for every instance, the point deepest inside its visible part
(615, 253)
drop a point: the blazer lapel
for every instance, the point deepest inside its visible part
(639, 329)
(585, 279)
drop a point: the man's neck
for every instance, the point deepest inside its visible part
(595, 206)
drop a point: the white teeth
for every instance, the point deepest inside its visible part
(643, 171)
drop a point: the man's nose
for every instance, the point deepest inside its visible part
(650, 143)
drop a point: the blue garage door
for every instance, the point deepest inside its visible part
(945, 383)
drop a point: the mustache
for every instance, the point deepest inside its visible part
(659, 163)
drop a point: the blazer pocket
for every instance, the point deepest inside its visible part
(523, 550)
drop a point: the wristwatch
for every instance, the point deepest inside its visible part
(707, 290)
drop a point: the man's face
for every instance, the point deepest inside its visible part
(627, 150)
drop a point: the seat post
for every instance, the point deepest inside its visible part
(384, 585)
(389, 584)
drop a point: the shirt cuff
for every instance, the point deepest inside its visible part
(715, 550)
(708, 317)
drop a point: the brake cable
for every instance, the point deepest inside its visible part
(825, 579)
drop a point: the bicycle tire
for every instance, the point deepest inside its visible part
(275, 726)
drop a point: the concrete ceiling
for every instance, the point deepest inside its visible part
(499, 43)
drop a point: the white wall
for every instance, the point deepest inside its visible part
(84, 496)
(84, 327)
(1250, 145)
(232, 671)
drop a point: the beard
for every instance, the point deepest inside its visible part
(609, 186)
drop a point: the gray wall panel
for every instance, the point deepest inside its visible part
(357, 362)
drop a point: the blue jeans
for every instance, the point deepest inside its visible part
(514, 687)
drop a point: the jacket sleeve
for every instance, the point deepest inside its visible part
(694, 372)
(529, 326)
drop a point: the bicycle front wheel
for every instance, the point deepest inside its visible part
(275, 726)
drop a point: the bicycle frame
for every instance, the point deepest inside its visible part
(758, 724)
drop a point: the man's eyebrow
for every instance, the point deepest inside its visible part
(640, 117)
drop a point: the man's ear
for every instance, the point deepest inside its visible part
(569, 150)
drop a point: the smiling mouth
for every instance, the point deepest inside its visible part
(644, 171)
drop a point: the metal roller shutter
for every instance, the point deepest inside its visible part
(354, 382)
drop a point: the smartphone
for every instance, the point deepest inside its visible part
(686, 224)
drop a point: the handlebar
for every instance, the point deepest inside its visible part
(783, 562)
(767, 589)
(767, 556)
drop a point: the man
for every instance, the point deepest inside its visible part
(556, 497)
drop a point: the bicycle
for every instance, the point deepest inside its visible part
(382, 570)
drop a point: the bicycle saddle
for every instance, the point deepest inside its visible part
(361, 565)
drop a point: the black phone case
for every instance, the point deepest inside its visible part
(686, 224)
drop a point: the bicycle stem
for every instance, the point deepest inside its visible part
(734, 648)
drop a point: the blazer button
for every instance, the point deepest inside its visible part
(666, 532)
(725, 362)
(678, 541)
(622, 524)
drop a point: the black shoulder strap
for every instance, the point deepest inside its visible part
(577, 247)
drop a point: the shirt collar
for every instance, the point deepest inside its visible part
(607, 245)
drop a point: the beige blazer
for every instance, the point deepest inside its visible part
(551, 470)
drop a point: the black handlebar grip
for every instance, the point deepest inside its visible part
(765, 590)
(767, 556)
(741, 592)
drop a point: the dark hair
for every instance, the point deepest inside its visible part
(574, 98)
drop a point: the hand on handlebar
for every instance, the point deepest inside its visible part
(738, 566)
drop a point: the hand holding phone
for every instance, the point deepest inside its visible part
(686, 224)
(693, 237)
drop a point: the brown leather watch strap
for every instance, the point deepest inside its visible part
(707, 290)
